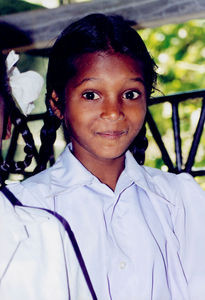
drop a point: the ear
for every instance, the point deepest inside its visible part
(53, 103)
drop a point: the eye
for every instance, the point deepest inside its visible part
(131, 95)
(91, 96)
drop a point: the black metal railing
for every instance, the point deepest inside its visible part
(174, 100)
(176, 167)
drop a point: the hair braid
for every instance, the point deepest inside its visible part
(139, 146)
(20, 124)
(48, 137)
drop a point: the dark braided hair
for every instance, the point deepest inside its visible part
(93, 33)
(19, 121)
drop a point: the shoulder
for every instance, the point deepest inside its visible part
(40, 190)
(174, 189)
(180, 189)
(41, 222)
(37, 190)
(16, 216)
(44, 178)
(185, 196)
(177, 188)
(33, 189)
(34, 215)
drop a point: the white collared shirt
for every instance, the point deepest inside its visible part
(33, 263)
(144, 241)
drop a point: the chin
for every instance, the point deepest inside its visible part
(110, 155)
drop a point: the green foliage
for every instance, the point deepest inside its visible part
(179, 52)
(15, 6)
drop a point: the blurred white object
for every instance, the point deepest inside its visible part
(26, 86)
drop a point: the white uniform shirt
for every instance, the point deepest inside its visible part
(34, 252)
(144, 241)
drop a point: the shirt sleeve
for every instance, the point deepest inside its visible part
(189, 227)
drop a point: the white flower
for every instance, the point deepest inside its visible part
(26, 86)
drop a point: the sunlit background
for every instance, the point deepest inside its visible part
(179, 52)
(54, 3)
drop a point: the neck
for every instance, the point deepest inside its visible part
(107, 171)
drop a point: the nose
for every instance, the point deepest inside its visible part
(112, 111)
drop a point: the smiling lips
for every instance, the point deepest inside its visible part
(112, 134)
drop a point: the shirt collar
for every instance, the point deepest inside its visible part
(68, 172)
(149, 179)
(136, 172)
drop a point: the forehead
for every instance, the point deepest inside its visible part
(105, 62)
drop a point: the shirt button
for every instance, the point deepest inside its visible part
(122, 265)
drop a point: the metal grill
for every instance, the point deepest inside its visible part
(176, 167)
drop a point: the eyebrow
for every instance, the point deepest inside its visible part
(137, 79)
(84, 80)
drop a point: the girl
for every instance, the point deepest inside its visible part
(33, 245)
(141, 231)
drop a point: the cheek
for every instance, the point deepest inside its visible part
(75, 117)
(66, 117)
(137, 116)
(69, 113)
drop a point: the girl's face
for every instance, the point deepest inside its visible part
(105, 105)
